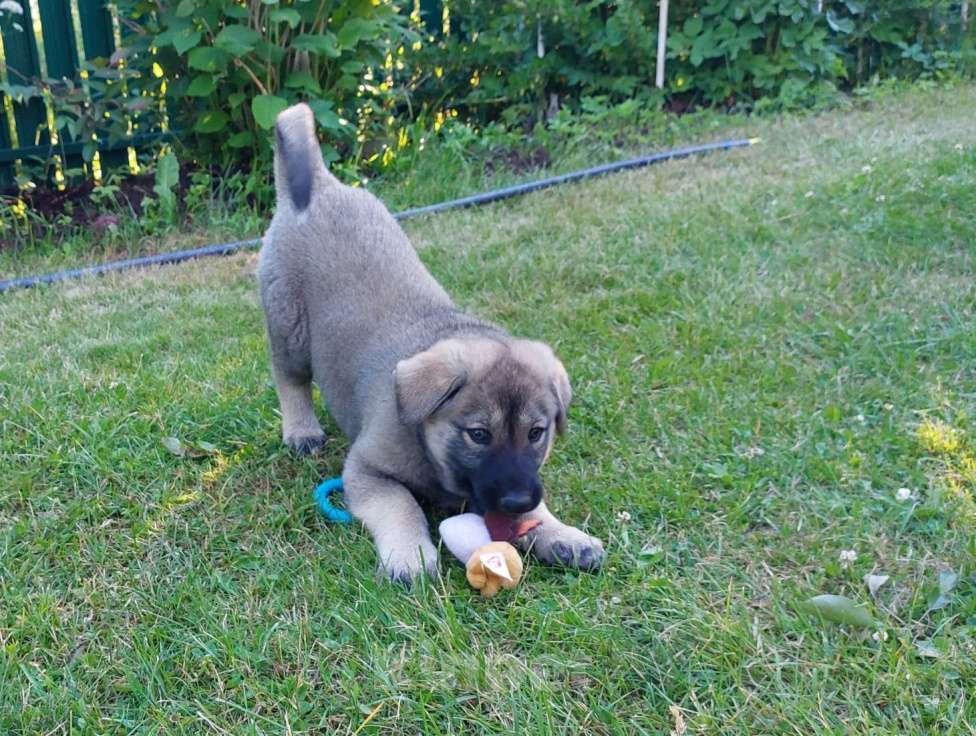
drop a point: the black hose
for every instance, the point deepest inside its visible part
(552, 181)
(157, 260)
(516, 190)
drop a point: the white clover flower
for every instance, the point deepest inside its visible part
(958, 146)
(866, 169)
(623, 517)
(11, 6)
(880, 198)
(904, 494)
(808, 195)
(860, 418)
(847, 556)
(750, 452)
(615, 600)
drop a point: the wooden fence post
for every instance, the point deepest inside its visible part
(662, 42)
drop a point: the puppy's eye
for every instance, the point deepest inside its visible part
(479, 436)
(535, 434)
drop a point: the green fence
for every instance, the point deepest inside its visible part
(50, 39)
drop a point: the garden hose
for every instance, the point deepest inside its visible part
(516, 190)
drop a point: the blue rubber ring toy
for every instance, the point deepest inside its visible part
(325, 489)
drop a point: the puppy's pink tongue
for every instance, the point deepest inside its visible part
(506, 528)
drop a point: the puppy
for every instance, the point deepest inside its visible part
(435, 403)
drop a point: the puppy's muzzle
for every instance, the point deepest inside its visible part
(508, 482)
(519, 502)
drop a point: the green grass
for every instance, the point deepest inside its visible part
(765, 346)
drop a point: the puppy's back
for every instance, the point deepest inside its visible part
(331, 230)
(335, 263)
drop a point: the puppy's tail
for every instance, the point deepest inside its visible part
(299, 169)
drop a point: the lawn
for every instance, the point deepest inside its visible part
(766, 345)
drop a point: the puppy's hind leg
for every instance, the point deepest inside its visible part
(300, 428)
(287, 325)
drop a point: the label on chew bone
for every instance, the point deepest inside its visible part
(494, 562)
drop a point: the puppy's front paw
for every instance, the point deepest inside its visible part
(305, 444)
(567, 545)
(405, 562)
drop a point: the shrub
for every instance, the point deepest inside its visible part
(521, 60)
(734, 53)
(232, 67)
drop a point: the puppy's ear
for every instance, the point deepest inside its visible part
(540, 356)
(428, 380)
(563, 391)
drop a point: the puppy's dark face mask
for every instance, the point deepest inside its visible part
(491, 413)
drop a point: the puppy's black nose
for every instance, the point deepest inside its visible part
(517, 503)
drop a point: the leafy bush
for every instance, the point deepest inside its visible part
(523, 59)
(733, 53)
(790, 51)
(232, 67)
(897, 38)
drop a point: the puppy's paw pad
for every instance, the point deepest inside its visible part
(573, 549)
(305, 445)
(563, 553)
(591, 558)
(397, 577)
(404, 567)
